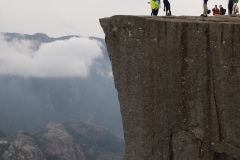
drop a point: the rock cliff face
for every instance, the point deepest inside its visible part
(178, 81)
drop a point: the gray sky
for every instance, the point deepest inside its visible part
(80, 17)
(67, 17)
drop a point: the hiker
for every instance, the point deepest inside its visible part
(168, 7)
(230, 7)
(205, 8)
(235, 7)
(222, 10)
(154, 7)
(215, 10)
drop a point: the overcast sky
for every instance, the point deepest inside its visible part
(59, 18)
(80, 17)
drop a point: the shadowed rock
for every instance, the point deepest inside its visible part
(21, 147)
(178, 82)
(59, 144)
(73, 140)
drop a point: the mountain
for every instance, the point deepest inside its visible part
(72, 140)
(95, 141)
(28, 104)
(40, 38)
(20, 146)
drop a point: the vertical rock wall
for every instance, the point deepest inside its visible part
(178, 81)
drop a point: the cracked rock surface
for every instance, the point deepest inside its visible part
(178, 82)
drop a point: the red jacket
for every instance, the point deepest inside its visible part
(215, 11)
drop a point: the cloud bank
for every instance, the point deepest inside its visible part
(65, 58)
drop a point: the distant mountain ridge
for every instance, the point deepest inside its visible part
(41, 38)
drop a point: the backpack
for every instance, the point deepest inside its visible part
(224, 11)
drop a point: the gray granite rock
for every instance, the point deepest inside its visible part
(57, 143)
(21, 147)
(178, 82)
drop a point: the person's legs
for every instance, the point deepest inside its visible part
(167, 9)
(170, 9)
(234, 8)
(155, 12)
(205, 9)
(230, 8)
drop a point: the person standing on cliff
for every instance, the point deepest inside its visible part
(230, 7)
(215, 10)
(222, 10)
(154, 7)
(205, 8)
(235, 7)
(168, 7)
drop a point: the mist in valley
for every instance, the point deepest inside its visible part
(44, 80)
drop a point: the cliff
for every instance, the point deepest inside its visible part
(178, 85)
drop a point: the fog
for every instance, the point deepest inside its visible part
(59, 81)
(63, 58)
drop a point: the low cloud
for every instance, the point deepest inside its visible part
(65, 58)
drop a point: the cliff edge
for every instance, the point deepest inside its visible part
(178, 82)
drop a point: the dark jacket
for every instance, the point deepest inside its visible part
(205, 1)
(222, 11)
(166, 4)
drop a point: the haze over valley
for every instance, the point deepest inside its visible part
(44, 79)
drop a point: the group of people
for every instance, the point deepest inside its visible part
(218, 11)
(156, 5)
(232, 8)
